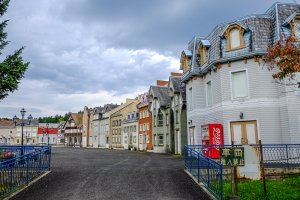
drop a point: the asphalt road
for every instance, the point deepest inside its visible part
(86, 174)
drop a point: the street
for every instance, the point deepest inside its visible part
(86, 174)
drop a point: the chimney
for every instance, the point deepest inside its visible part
(176, 74)
(161, 83)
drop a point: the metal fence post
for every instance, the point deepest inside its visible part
(49, 157)
(27, 169)
(221, 181)
(208, 178)
(262, 168)
(198, 166)
(287, 155)
(10, 178)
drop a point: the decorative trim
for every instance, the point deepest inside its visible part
(292, 25)
(228, 39)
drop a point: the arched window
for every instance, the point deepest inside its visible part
(234, 37)
(235, 41)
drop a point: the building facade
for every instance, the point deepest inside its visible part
(144, 124)
(72, 130)
(130, 131)
(178, 113)
(48, 133)
(117, 116)
(60, 135)
(30, 132)
(87, 127)
(226, 83)
(97, 115)
(7, 131)
(101, 125)
(159, 105)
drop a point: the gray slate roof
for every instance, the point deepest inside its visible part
(178, 86)
(109, 107)
(162, 94)
(261, 31)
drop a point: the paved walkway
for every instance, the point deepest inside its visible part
(88, 174)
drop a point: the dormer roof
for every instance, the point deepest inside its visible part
(162, 94)
(290, 18)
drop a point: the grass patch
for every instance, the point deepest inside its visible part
(285, 188)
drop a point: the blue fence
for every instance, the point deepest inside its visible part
(280, 155)
(209, 171)
(204, 169)
(17, 170)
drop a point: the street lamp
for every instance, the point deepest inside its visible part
(23, 111)
(47, 133)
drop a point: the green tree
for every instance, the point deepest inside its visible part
(12, 68)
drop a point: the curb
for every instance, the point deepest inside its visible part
(201, 185)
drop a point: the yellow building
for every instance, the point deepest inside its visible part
(117, 116)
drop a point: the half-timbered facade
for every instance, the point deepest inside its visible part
(72, 130)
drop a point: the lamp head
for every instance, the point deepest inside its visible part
(15, 118)
(30, 118)
(23, 111)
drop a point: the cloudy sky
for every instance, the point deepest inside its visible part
(92, 52)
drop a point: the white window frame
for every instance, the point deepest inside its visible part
(208, 104)
(247, 81)
(141, 127)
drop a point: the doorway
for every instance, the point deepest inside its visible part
(244, 132)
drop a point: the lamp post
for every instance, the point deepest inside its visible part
(47, 132)
(23, 111)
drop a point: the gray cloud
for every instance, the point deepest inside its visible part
(91, 52)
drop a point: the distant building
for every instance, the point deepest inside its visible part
(7, 131)
(130, 130)
(30, 132)
(117, 116)
(87, 127)
(159, 105)
(60, 135)
(72, 129)
(178, 113)
(101, 125)
(48, 134)
(144, 124)
(105, 125)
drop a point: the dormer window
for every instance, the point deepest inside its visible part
(297, 28)
(234, 36)
(185, 60)
(203, 51)
(293, 21)
(235, 41)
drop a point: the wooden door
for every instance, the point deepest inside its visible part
(244, 132)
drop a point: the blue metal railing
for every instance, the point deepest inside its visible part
(280, 155)
(275, 155)
(204, 169)
(209, 171)
(16, 172)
